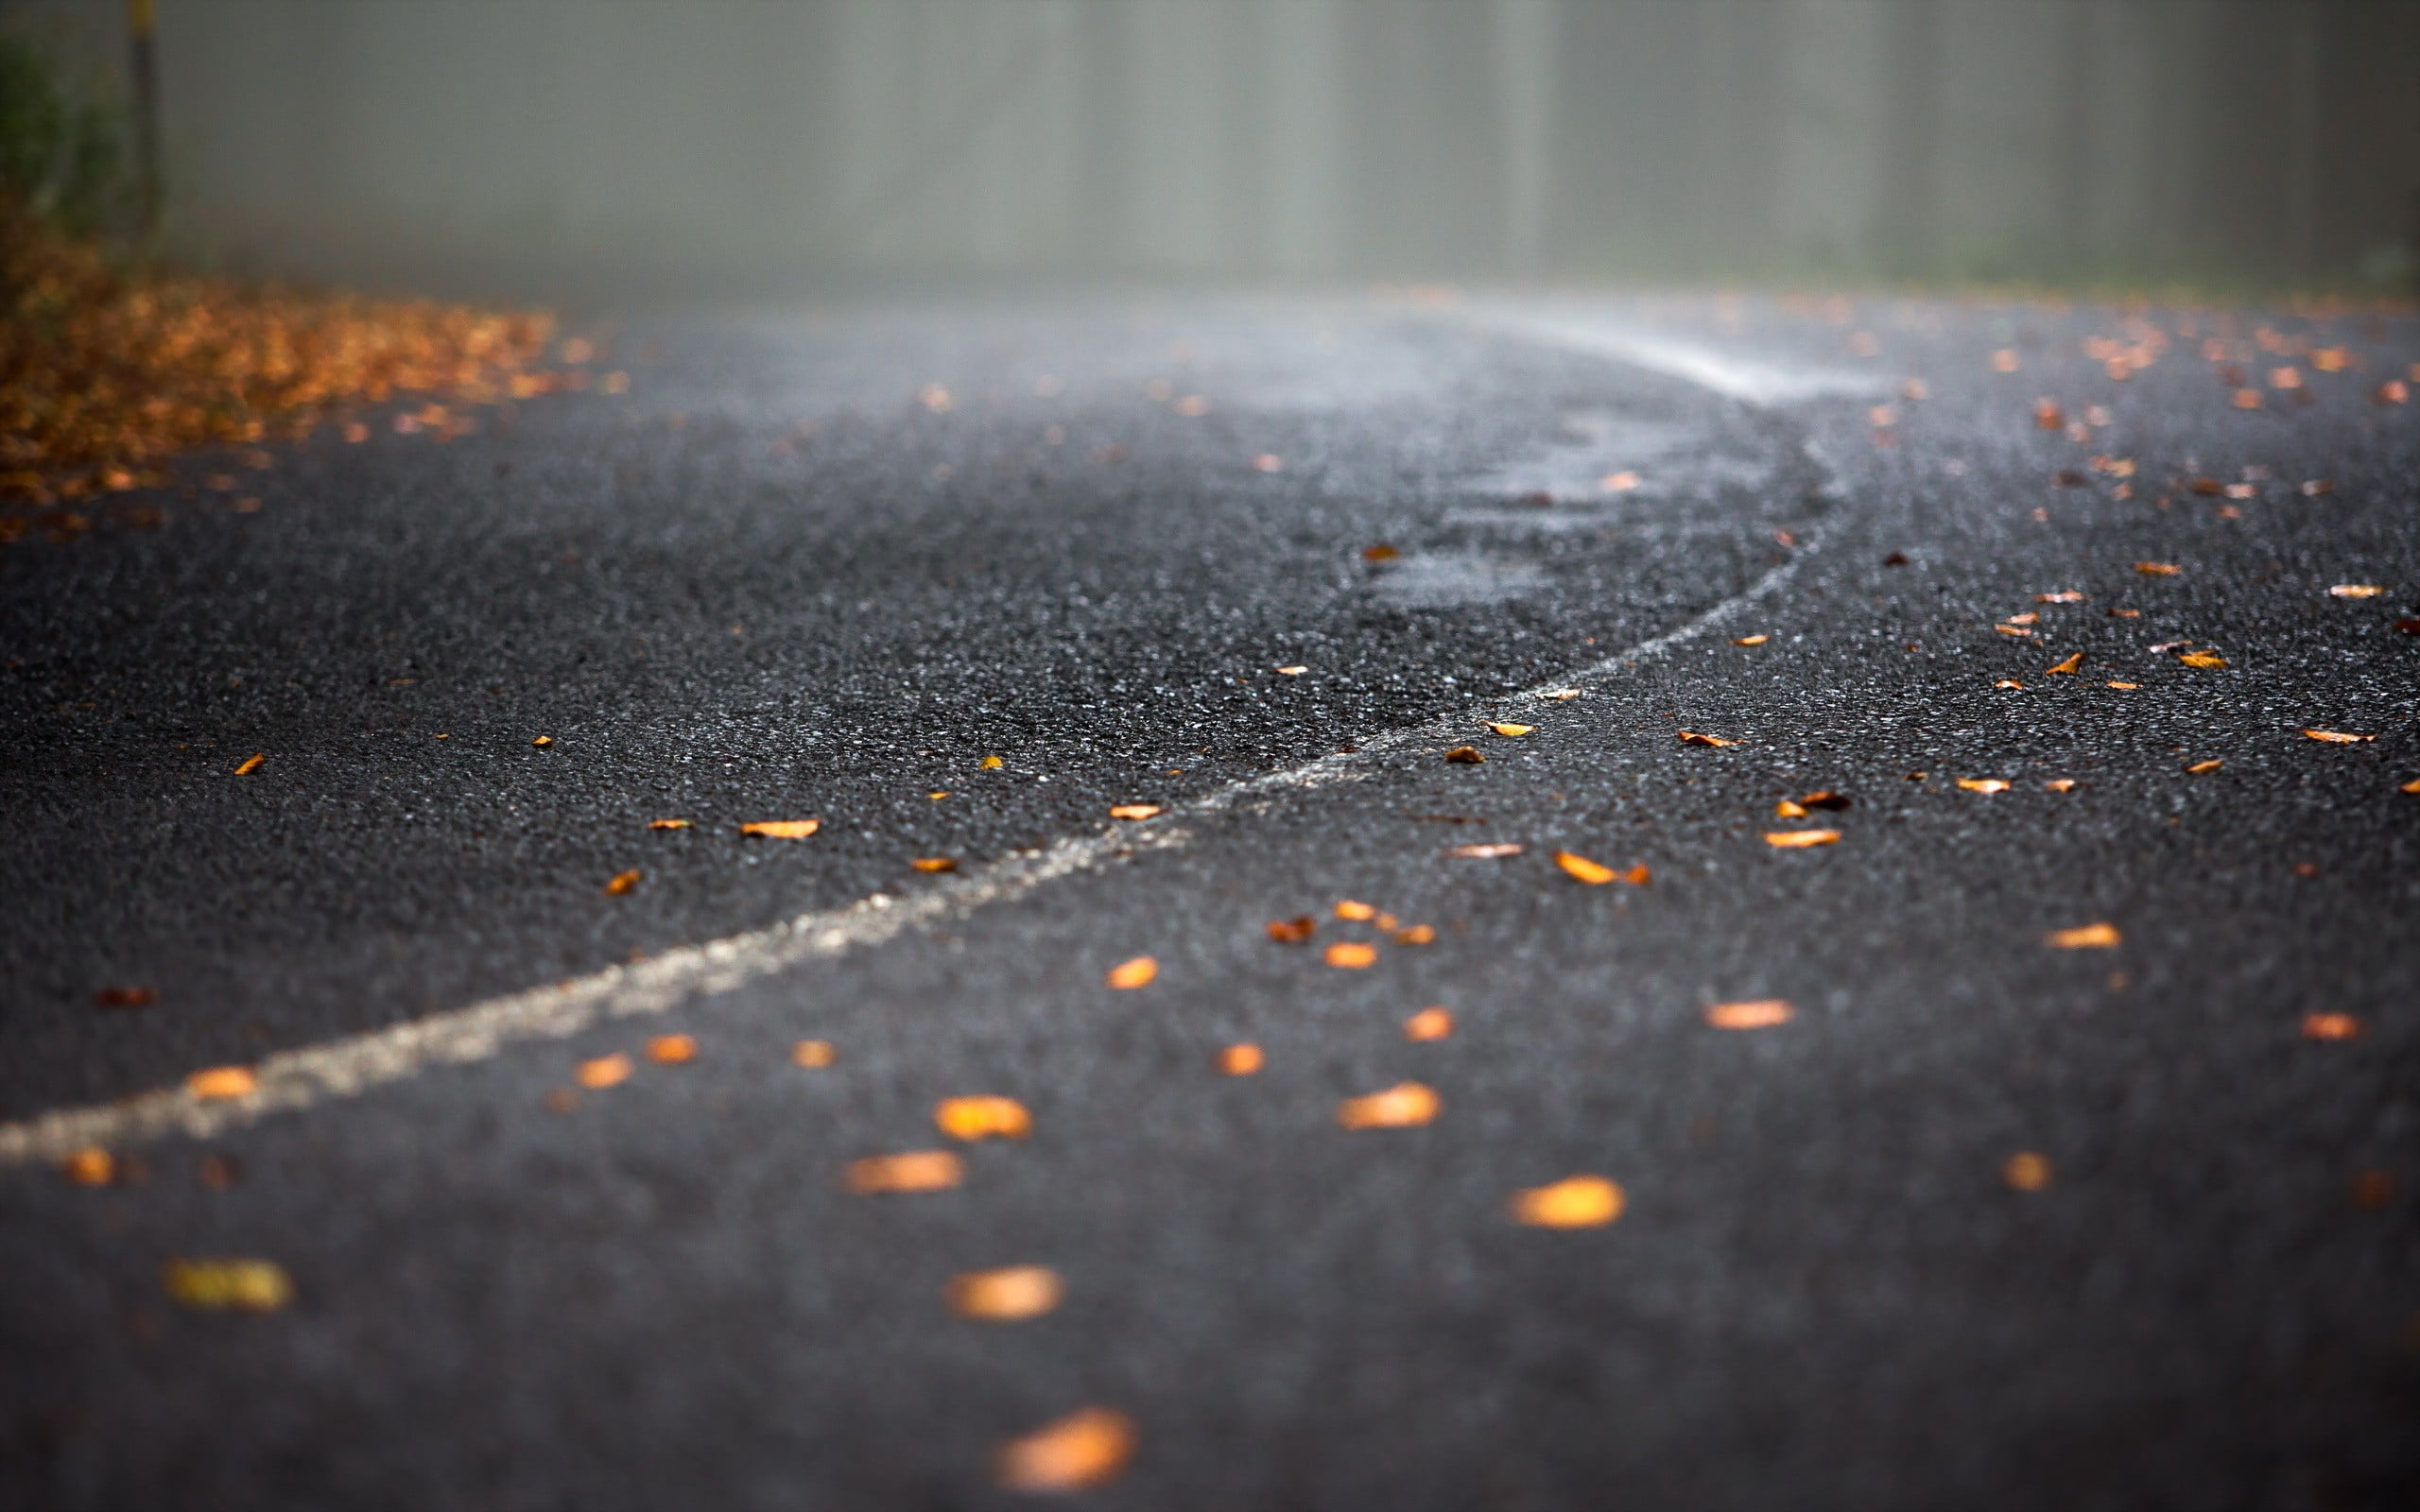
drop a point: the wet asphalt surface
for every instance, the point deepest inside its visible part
(785, 578)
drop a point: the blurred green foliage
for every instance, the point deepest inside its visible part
(64, 154)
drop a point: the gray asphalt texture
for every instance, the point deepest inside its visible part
(775, 581)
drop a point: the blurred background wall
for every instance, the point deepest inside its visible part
(752, 146)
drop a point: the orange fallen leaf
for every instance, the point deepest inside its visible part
(2084, 938)
(1512, 731)
(1406, 1105)
(218, 1083)
(228, 1285)
(1133, 811)
(1790, 809)
(2411, 786)
(1428, 1023)
(672, 1049)
(2198, 768)
(1416, 935)
(1469, 755)
(1242, 1060)
(603, 1071)
(2157, 569)
(2123, 686)
(667, 824)
(1759, 1013)
(1593, 874)
(2207, 660)
(1983, 785)
(1563, 695)
(1574, 1202)
(933, 863)
(1691, 737)
(2011, 683)
(89, 1167)
(1494, 851)
(2338, 737)
(990, 763)
(2062, 596)
(813, 1054)
(1347, 908)
(1137, 973)
(1352, 956)
(912, 1171)
(1292, 931)
(2060, 785)
(2356, 591)
(1009, 1295)
(1079, 1452)
(1751, 639)
(1292, 672)
(1381, 552)
(2012, 629)
(623, 882)
(251, 763)
(781, 829)
(2026, 1171)
(2247, 399)
(1618, 482)
(1800, 839)
(544, 741)
(2330, 1027)
(982, 1118)
(2069, 666)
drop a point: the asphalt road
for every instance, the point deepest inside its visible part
(1986, 1222)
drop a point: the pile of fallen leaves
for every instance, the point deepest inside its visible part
(105, 368)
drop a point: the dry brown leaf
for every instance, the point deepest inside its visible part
(2198, 768)
(813, 1054)
(2338, 737)
(220, 1082)
(2084, 938)
(1416, 935)
(781, 829)
(912, 1171)
(1983, 785)
(2356, 591)
(990, 763)
(2158, 569)
(1406, 1105)
(2068, 666)
(1137, 973)
(1790, 809)
(1009, 1295)
(2122, 686)
(1759, 1013)
(603, 1071)
(623, 882)
(2026, 1171)
(1242, 1060)
(1352, 956)
(125, 997)
(251, 763)
(667, 824)
(2012, 629)
(1574, 1202)
(1691, 737)
(1292, 931)
(2010, 684)
(982, 1118)
(1751, 640)
(228, 1285)
(2062, 596)
(1512, 731)
(2060, 785)
(1469, 755)
(1077, 1452)
(933, 863)
(2247, 399)
(543, 741)
(1428, 1023)
(1563, 695)
(1381, 552)
(1133, 811)
(672, 1049)
(1593, 874)
(1496, 850)
(2207, 660)
(1824, 798)
(2048, 415)
(1800, 839)
(2330, 1027)
(89, 1167)
(1348, 909)
(2411, 786)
